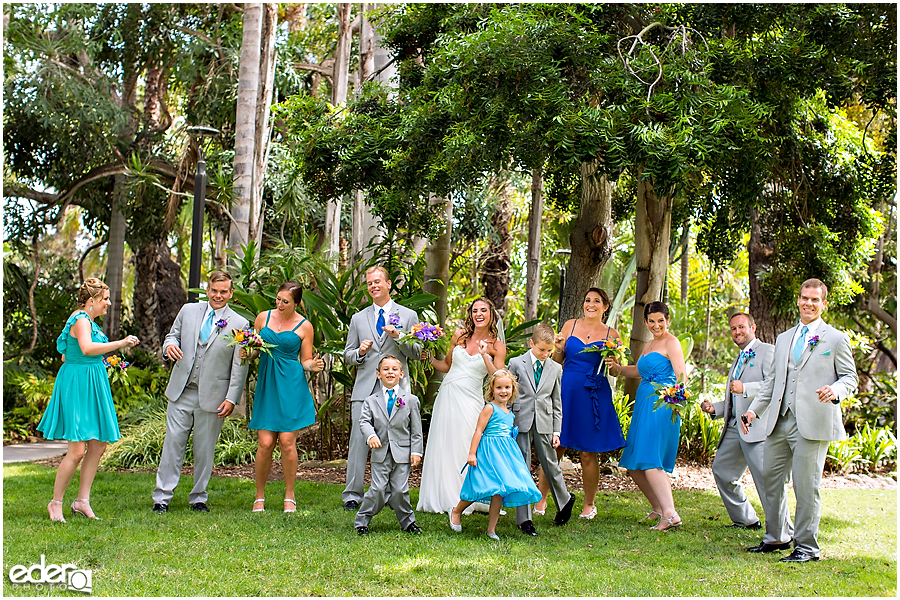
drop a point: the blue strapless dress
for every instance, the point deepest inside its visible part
(81, 407)
(282, 401)
(652, 441)
(501, 469)
(590, 422)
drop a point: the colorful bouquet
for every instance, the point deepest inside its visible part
(430, 336)
(609, 347)
(115, 362)
(249, 339)
(674, 397)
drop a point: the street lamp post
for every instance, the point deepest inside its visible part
(198, 133)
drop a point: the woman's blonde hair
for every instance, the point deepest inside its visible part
(489, 390)
(91, 288)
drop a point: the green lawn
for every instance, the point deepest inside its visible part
(232, 552)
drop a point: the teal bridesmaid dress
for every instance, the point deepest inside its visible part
(282, 401)
(81, 407)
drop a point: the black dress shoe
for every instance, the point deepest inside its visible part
(798, 556)
(764, 547)
(756, 525)
(199, 507)
(160, 508)
(413, 528)
(351, 505)
(527, 528)
(362, 529)
(565, 513)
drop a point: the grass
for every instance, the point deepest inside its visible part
(233, 552)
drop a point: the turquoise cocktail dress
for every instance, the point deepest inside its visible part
(81, 407)
(652, 441)
(501, 469)
(282, 401)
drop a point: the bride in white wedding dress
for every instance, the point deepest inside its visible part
(475, 352)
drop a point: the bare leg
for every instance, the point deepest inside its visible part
(95, 450)
(288, 443)
(263, 464)
(662, 488)
(457, 511)
(640, 478)
(64, 475)
(590, 477)
(494, 514)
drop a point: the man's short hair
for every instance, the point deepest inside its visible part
(543, 333)
(750, 320)
(372, 269)
(815, 283)
(219, 275)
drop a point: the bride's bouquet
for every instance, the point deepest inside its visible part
(674, 397)
(250, 339)
(609, 347)
(431, 337)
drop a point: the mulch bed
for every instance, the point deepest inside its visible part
(687, 476)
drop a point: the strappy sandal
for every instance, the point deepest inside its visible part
(671, 521)
(292, 501)
(75, 511)
(590, 515)
(650, 516)
(61, 518)
(263, 509)
(536, 511)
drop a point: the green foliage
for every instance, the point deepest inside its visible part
(869, 449)
(22, 419)
(699, 434)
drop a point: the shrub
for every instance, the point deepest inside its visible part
(35, 392)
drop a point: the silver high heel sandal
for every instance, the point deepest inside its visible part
(61, 518)
(292, 501)
(75, 511)
(263, 509)
(671, 521)
(650, 516)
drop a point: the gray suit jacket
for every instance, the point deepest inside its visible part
(751, 374)
(401, 432)
(221, 375)
(362, 327)
(830, 362)
(541, 406)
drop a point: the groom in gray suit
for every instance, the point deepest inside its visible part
(813, 372)
(737, 450)
(370, 337)
(538, 416)
(205, 385)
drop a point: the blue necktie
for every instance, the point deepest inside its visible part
(801, 341)
(379, 324)
(207, 327)
(743, 357)
(538, 369)
(390, 402)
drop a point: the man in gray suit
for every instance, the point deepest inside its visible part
(372, 336)
(538, 415)
(813, 372)
(738, 450)
(392, 426)
(205, 385)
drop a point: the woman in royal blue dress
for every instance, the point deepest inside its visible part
(652, 443)
(282, 404)
(589, 420)
(81, 409)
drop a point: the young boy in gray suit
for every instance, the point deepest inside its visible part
(392, 427)
(538, 411)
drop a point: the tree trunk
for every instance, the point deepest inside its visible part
(244, 229)
(759, 250)
(115, 260)
(340, 82)
(590, 241)
(685, 265)
(498, 254)
(158, 294)
(437, 280)
(263, 127)
(533, 272)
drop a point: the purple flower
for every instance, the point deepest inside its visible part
(813, 341)
(400, 401)
(394, 320)
(746, 355)
(221, 323)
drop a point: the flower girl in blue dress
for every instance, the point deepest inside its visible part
(496, 473)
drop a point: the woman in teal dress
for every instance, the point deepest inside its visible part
(652, 441)
(282, 405)
(81, 408)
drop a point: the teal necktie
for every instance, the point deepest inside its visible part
(538, 369)
(207, 327)
(801, 341)
(390, 402)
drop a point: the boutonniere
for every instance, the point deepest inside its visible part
(400, 402)
(221, 323)
(746, 355)
(394, 320)
(813, 341)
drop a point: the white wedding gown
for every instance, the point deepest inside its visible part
(456, 408)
